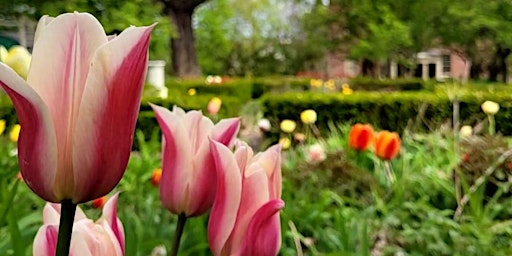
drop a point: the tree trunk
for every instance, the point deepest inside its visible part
(184, 58)
(504, 53)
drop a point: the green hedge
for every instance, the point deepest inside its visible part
(399, 84)
(391, 110)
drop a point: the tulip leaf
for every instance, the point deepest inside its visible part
(10, 200)
(17, 241)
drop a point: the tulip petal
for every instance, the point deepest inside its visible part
(263, 236)
(228, 195)
(254, 195)
(110, 216)
(41, 25)
(177, 155)
(45, 242)
(108, 113)
(270, 161)
(37, 150)
(51, 214)
(225, 131)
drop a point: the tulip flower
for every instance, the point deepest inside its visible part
(466, 131)
(316, 153)
(490, 107)
(78, 106)
(264, 125)
(186, 185)
(3, 53)
(156, 176)
(103, 237)
(99, 202)
(245, 216)
(360, 137)
(308, 116)
(214, 105)
(14, 134)
(18, 58)
(287, 126)
(285, 142)
(2, 126)
(387, 145)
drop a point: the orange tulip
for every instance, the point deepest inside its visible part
(99, 202)
(155, 178)
(360, 136)
(387, 145)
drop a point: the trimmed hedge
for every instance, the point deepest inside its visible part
(399, 84)
(393, 111)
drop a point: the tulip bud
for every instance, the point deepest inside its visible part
(191, 91)
(316, 153)
(156, 176)
(308, 116)
(214, 105)
(285, 142)
(387, 145)
(360, 137)
(99, 202)
(288, 126)
(264, 125)
(2, 126)
(466, 131)
(15, 133)
(490, 107)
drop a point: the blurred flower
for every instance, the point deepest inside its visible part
(308, 116)
(192, 91)
(264, 125)
(19, 176)
(187, 165)
(288, 126)
(78, 107)
(316, 83)
(316, 153)
(156, 176)
(14, 134)
(18, 58)
(213, 80)
(345, 89)
(466, 131)
(244, 219)
(214, 105)
(387, 145)
(490, 107)
(330, 84)
(2, 126)
(285, 142)
(99, 202)
(103, 237)
(3, 53)
(299, 137)
(360, 136)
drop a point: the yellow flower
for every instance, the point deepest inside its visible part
(15, 132)
(316, 83)
(490, 107)
(3, 53)
(330, 84)
(466, 131)
(288, 126)
(308, 116)
(191, 91)
(18, 59)
(2, 126)
(214, 105)
(285, 142)
(347, 91)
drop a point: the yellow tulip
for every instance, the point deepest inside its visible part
(285, 143)
(15, 133)
(288, 126)
(3, 53)
(191, 91)
(490, 107)
(18, 59)
(308, 116)
(466, 131)
(2, 126)
(316, 83)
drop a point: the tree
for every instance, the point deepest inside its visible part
(184, 57)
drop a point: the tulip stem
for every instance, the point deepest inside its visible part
(67, 217)
(182, 219)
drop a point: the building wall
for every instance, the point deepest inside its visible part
(459, 67)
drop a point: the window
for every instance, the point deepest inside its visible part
(446, 63)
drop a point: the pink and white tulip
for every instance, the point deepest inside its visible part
(245, 215)
(188, 182)
(103, 237)
(78, 107)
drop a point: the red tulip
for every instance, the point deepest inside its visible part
(387, 145)
(103, 237)
(78, 107)
(188, 174)
(245, 215)
(156, 176)
(360, 137)
(99, 202)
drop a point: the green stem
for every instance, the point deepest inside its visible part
(492, 125)
(67, 216)
(182, 219)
